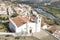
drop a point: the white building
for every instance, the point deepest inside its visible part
(10, 10)
(19, 24)
(3, 9)
(47, 4)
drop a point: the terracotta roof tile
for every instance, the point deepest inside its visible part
(19, 20)
(57, 33)
(53, 29)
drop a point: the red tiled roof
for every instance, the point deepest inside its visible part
(53, 29)
(19, 20)
(57, 33)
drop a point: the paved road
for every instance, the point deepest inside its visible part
(47, 14)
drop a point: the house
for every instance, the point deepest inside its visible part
(57, 34)
(3, 9)
(3, 12)
(53, 29)
(47, 4)
(10, 10)
(18, 10)
(21, 24)
(50, 28)
(22, 9)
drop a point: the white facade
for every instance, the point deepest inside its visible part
(34, 26)
(45, 27)
(47, 4)
(3, 12)
(10, 10)
(3, 8)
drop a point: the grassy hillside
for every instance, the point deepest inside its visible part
(56, 4)
(53, 10)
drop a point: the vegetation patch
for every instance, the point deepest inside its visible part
(14, 15)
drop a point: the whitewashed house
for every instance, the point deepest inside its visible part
(19, 24)
(10, 10)
(3, 10)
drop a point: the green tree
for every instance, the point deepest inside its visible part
(3, 18)
(15, 15)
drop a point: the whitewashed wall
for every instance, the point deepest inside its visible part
(3, 12)
(19, 29)
(32, 25)
(29, 24)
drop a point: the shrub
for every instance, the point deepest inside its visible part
(16, 37)
(50, 21)
(15, 15)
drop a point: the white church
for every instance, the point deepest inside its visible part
(25, 23)
(21, 24)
